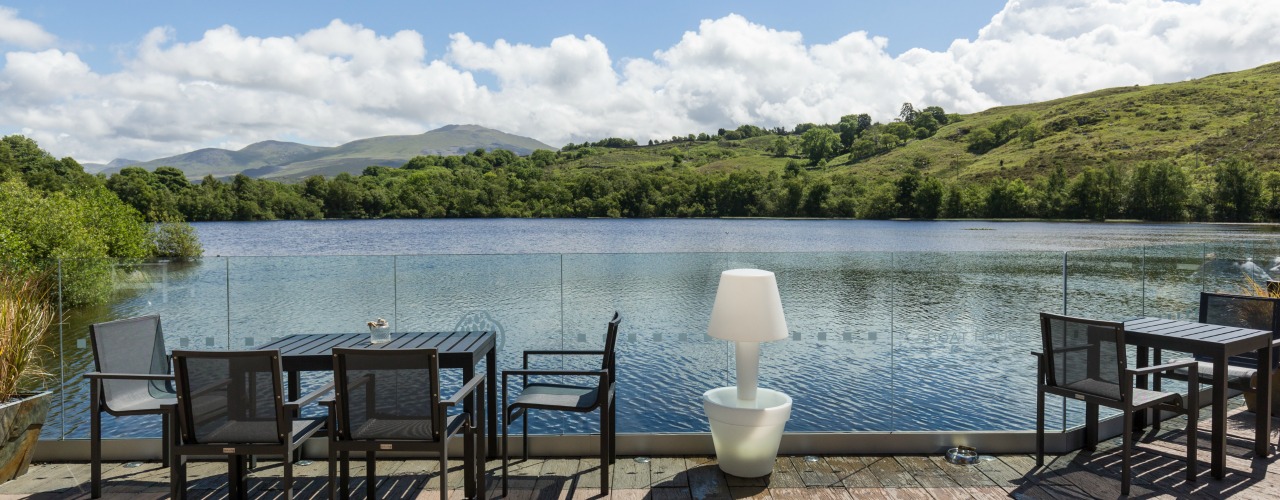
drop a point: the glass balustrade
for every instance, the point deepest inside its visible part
(880, 342)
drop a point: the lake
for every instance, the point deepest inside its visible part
(523, 236)
(895, 325)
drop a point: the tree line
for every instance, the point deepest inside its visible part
(501, 184)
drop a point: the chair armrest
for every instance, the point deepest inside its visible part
(554, 352)
(1080, 347)
(127, 376)
(527, 353)
(467, 388)
(1191, 365)
(1037, 354)
(590, 373)
(303, 401)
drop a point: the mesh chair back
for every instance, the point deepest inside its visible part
(133, 345)
(387, 394)
(1083, 355)
(1244, 311)
(611, 338)
(231, 397)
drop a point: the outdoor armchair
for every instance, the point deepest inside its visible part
(1085, 360)
(566, 397)
(131, 377)
(232, 403)
(389, 400)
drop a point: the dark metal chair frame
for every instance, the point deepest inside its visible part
(605, 389)
(341, 442)
(99, 403)
(1047, 383)
(185, 443)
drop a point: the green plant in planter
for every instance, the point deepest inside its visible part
(25, 318)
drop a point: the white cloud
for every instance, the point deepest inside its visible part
(343, 81)
(21, 32)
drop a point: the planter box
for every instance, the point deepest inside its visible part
(1251, 398)
(20, 422)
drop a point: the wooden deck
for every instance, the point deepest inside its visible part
(1158, 468)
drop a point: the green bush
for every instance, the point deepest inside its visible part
(176, 241)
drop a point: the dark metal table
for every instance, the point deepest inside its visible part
(1218, 343)
(312, 352)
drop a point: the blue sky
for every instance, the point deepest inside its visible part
(101, 29)
(146, 79)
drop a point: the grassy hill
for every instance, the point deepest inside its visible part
(290, 160)
(1206, 120)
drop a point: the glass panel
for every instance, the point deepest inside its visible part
(1107, 285)
(1239, 267)
(191, 299)
(964, 326)
(836, 364)
(1172, 274)
(517, 296)
(665, 358)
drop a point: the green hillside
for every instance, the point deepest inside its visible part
(1207, 120)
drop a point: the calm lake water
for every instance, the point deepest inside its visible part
(895, 326)
(522, 236)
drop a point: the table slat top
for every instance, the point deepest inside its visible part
(1193, 336)
(322, 344)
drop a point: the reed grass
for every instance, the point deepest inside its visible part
(25, 318)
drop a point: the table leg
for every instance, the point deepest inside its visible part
(1262, 446)
(491, 385)
(1218, 436)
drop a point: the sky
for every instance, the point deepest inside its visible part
(147, 79)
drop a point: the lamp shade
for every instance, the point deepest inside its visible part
(748, 307)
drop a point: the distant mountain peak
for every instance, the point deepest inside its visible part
(282, 159)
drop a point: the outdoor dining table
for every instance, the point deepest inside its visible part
(1217, 343)
(313, 352)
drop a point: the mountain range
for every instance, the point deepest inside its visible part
(290, 160)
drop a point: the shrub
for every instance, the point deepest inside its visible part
(176, 241)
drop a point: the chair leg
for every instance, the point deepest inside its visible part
(524, 433)
(177, 478)
(468, 460)
(1090, 426)
(287, 482)
(444, 471)
(1039, 428)
(345, 483)
(95, 440)
(333, 468)
(1126, 449)
(371, 474)
(506, 443)
(166, 420)
(604, 448)
(613, 431)
(1193, 423)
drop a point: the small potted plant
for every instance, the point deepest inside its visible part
(25, 318)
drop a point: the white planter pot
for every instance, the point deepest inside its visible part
(746, 433)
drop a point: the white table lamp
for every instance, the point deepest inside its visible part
(747, 311)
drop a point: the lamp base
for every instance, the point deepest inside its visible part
(746, 433)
